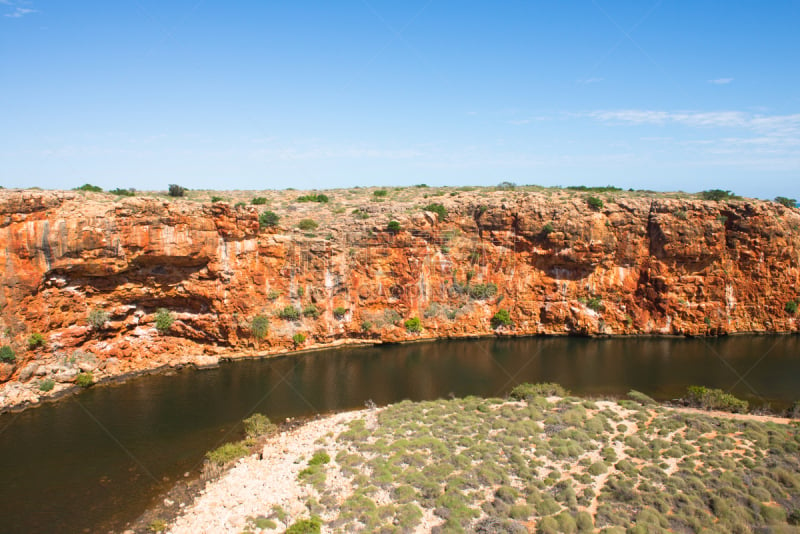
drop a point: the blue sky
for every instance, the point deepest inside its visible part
(662, 95)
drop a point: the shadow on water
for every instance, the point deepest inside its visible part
(95, 461)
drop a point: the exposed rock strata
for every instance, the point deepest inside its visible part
(637, 266)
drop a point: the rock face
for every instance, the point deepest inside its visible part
(637, 265)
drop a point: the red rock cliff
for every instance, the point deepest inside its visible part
(636, 266)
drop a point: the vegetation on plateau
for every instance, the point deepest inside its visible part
(545, 461)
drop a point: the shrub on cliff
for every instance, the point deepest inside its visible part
(259, 326)
(97, 318)
(438, 209)
(314, 197)
(393, 227)
(90, 188)
(164, 320)
(307, 224)
(7, 354)
(339, 312)
(501, 318)
(258, 201)
(176, 190)
(84, 380)
(123, 192)
(299, 338)
(268, 219)
(413, 325)
(311, 311)
(791, 307)
(482, 291)
(594, 203)
(380, 193)
(717, 194)
(290, 313)
(788, 202)
(36, 340)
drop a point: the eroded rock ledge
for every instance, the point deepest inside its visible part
(638, 265)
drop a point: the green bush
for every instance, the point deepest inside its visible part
(413, 325)
(360, 214)
(594, 203)
(788, 202)
(258, 201)
(299, 338)
(528, 391)
(641, 398)
(306, 526)
(7, 354)
(501, 318)
(438, 209)
(176, 190)
(259, 424)
(595, 303)
(393, 227)
(157, 525)
(319, 458)
(594, 189)
(97, 318)
(791, 307)
(123, 192)
(717, 194)
(259, 326)
(215, 199)
(47, 384)
(307, 224)
(313, 197)
(164, 320)
(482, 291)
(84, 380)
(90, 188)
(36, 340)
(227, 452)
(311, 311)
(289, 313)
(268, 219)
(380, 193)
(339, 312)
(548, 229)
(714, 399)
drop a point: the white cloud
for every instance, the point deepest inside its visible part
(20, 12)
(721, 81)
(588, 81)
(780, 125)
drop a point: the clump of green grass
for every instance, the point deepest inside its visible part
(641, 398)
(227, 453)
(84, 380)
(413, 325)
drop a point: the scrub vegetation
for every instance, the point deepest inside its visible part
(542, 461)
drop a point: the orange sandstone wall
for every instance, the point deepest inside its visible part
(637, 266)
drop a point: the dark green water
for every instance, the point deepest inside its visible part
(93, 462)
